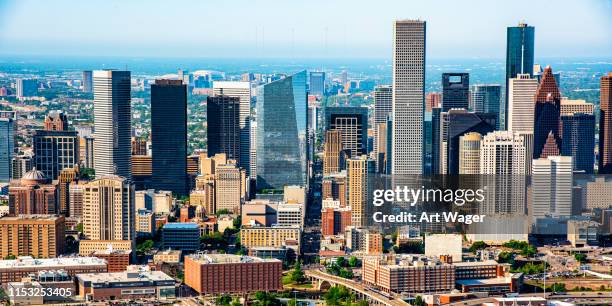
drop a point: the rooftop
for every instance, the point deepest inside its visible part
(181, 225)
(50, 263)
(475, 263)
(484, 281)
(30, 217)
(169, 252)
(227, 258)
(122, 277)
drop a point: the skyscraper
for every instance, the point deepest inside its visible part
(521, 103)
(469, 153)
(108, 209)
(317, 83)
(26, 88)
(486, 98)
(432, 100)
(332, 152)
(579, 140)
(383, 103)
(605, 125)
(241, 90)
(87, 81)
(455, 90)
(7, 148)
(519, 55)
(223, 126)
(169, 135)
(55, 148)
(112, 123)
(358, 171)
(547, 113)
(552, 185)
(282, 135)
(353, 124)
(408, 96)
(228, 186)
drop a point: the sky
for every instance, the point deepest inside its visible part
(297, 29)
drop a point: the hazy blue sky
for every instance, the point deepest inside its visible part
(291, 28)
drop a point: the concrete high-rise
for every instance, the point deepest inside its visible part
(41, 236)
(332, 152)
(282, 133)
(519, 55)
(108, 209)
(169, 136)
(223, 126)
(408, 96)
(455, 90)
(469, 153)
(383, 103)
(521, 103)
(547, 115)
(241, 90)
(486, 98)
(352, 122)
(7, 147)
(433, 100)
(358, 172)
(112, 123)
(605, 125)
(551, 183)
(228, 187)
(579, 140)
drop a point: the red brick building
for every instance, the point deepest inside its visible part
(334, 221)
(225, 273)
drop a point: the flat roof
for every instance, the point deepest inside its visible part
(228, 258)
(485, 281)
(181, 225)
(475, 263)
(115, 277)
(30, 217)
(50, 263)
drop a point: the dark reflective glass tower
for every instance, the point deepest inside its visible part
(519, 55)
(455, 90)
(579, 140)
(282, 138)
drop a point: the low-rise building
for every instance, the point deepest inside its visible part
(444, 244)
(88, 247)
(273, 236)
(117, 260)
(181, 236)
(145, 223)
(224, 273)
(135, 283)
(581, 233)
(15, 269)
(167, 256)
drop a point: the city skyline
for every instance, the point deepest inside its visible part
(302, 32)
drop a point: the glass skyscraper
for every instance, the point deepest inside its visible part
(486, 99)
(282, 134)
(7, 147)
(519, 55)
(579, 140)
(455, 90)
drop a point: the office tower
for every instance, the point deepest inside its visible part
(551, 183)
(65, 177)
(223, 126)
(469, 153)
(570, 107)
(317, 83)
(380, 147)
(408, 96)
(253, 149)
(358, 172)
(228, 185)
(56, 121)
(486, 98)
(108, 208)
(383, 103)
(87, 81)
(455, 90)
(519, 56)
(76, 191)
(433, 100)
(598, 194)
(538, 73)
(579, 140)
(169, 136)
(454, 124)
(20, 165)
(521, 105)
(86, 151)
(605, 125)
(7, 148)
(282, 134)
(436, 117)
(332, 152)
(26, 88)
(33, 194)
(352, 122)
(139, 146)
(184, 236)
(55, 148)
(112, 123)
(40, 236)
(241, 90)
(504, 164)
(547, 113)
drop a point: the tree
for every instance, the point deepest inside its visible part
(505, 257)
(340, 261)
(225, 299)
(292, 302)
(265, 299)
(346, 273)
(478, 245)
(581, 258)
(297, 275)
(418, 301)
(558, 287)
(353, 261)
(10, 257)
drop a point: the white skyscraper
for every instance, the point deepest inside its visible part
(408, 96)
(521, 103)
(551, 185)
(112, 123)
(241, 90)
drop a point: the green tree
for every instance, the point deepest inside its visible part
(506, 257)
(341, 261)
(581, 258)
(225, 299)
(10, 257)
(346, 273)
(558, 287)
(292, 302)
(265, 299)
(353, 261)
(297, 275)
(418, 301)
(338, 295)
(478, 245)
